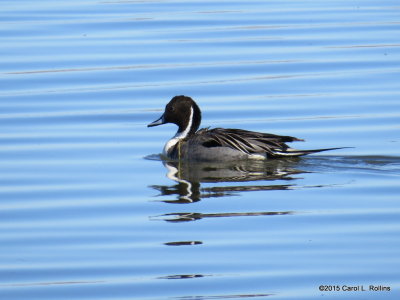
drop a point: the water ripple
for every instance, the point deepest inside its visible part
(84, 215)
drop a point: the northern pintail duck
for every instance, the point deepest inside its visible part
(219, 144)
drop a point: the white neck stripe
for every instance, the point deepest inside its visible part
(179, 135)
(184, 133)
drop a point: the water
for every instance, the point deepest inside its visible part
(89, 211)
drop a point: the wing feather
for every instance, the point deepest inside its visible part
(251, 142)
(248, 142)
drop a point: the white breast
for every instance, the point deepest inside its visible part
(169, 145)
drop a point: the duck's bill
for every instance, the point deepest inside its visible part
(157, 122)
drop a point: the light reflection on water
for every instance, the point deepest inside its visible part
(189, 177)
(237, 178)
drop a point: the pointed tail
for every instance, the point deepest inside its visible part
(290, 152)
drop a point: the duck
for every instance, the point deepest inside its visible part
(219, 144)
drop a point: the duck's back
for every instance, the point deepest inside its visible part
(221, 144)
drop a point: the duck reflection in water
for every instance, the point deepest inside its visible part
(189, 176)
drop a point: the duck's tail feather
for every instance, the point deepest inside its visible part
(294, 152)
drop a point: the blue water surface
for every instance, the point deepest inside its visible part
(88, 210)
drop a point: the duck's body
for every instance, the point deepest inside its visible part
(219, 144)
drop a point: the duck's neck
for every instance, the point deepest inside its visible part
(182, 133)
